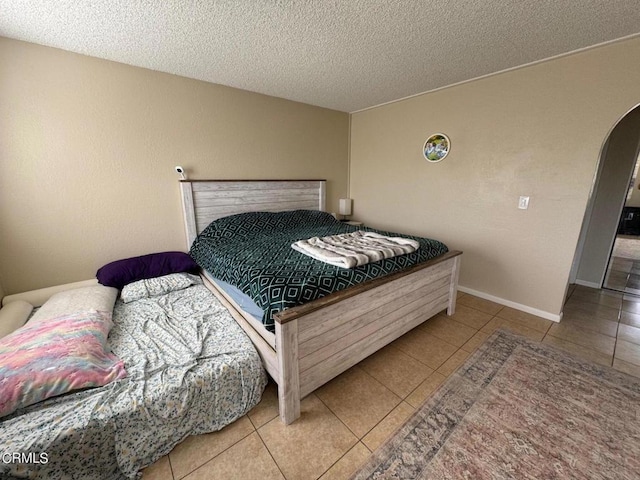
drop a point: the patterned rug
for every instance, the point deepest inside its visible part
(519, 410)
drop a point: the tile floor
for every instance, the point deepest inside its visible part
(348, 418)
(623, 274)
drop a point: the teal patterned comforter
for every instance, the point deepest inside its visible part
(252, 251)
(191, 370)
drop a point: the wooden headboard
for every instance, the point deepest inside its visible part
(204, 201)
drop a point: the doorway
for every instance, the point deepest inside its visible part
(623, 270)
(595, 249)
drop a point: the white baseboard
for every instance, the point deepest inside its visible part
(587, 284)
(554, 317)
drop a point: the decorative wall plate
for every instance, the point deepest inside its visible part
(436, 147)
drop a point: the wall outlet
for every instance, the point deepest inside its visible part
(523, 203)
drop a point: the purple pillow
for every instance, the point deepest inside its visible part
(121, 272)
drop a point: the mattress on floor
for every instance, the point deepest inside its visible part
(191, 370)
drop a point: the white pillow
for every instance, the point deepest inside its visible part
(86, 299)
(13, 316)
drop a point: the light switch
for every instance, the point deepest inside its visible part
(523, 203)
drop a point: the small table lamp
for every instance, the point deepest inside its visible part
(345, 207)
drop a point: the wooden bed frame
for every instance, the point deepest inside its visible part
(315, 342)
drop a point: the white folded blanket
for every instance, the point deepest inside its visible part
(349, 250)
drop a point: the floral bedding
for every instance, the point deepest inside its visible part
(190, 370)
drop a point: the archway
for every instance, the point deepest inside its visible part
(615, 169)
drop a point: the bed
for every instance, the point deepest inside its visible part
(316, 341)
(189, 370)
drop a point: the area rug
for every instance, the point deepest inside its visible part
(519, 410)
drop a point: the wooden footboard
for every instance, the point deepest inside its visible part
(317, 342)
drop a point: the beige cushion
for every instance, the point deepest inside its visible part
(38, 297)
(13, 316)
(96, 298)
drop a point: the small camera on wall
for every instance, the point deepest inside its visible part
(180, 171)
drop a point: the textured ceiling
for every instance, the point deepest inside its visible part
(347, 55)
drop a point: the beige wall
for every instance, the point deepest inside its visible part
(535, 131)
(87, 150)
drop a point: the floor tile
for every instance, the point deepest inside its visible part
(595, 310)
(199, 449)
(425, 348)
(453, 363)
(634, 280)
(309, 446)
(471, 317)
(582, 288)
(578, 288)
(581, 319)
(625, 367)
(628, 352)
(629, 333)
(388, 425)
(246, 460)
(615, 278)
(526, 319)
(621, 263)
(579, 350)
(425, 389)
(602, 297)
(160, 470)
(348, 464)
(631, 304)
(396, 370)
(481, 304)
(619, 266)
(586, 338)
(493, 325)
(519, 328)
(616, 282)
(474, 342)
(267, 409)
(358, 400)
(629, 318)
(447, 329)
